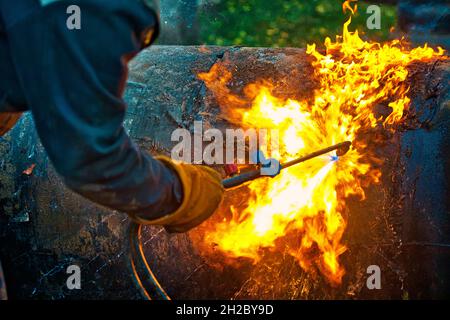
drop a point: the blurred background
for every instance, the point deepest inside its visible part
(265, 23)
(295, 23)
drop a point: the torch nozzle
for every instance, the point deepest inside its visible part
(343, 148)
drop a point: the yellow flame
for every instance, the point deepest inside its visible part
(307, 200)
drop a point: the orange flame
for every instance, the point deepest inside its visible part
(307, 200)
(346, 5)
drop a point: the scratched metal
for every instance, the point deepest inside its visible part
(403, 226)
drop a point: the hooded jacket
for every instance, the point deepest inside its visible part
(72, 81)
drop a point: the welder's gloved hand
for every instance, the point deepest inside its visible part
(202, 194)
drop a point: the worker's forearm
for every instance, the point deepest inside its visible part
(125, 179)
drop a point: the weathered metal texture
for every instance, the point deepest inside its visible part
(425, 21)
(44, 227)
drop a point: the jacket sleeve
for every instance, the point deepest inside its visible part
(73, 81)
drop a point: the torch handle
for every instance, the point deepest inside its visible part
(241, 178)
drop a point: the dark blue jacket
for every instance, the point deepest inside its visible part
(72, 81)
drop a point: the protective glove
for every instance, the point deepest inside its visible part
(8, 120)
(202, 194)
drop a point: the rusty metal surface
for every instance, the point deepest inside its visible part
(44, 227)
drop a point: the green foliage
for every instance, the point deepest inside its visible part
(282, 23)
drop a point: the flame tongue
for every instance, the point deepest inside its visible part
(304, 204)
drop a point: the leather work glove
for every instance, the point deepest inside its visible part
(202, 195)
(8, 120)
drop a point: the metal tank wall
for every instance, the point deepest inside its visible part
(403, 226)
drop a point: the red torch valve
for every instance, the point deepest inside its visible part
(231, 169)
